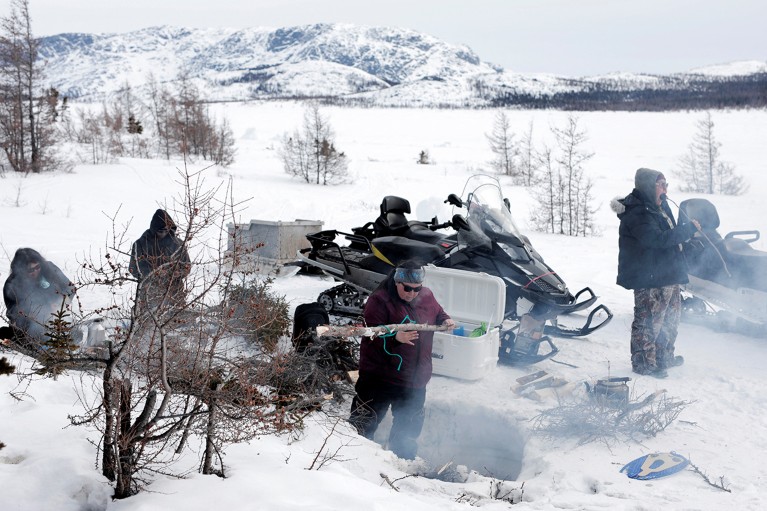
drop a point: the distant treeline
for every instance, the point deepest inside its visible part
(667, 93)
(690, 93)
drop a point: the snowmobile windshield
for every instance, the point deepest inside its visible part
(490, 219)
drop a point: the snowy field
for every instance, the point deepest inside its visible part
(48, 465)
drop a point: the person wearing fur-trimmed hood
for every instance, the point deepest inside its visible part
(651, 263)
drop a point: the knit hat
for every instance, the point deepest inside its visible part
(409, 275)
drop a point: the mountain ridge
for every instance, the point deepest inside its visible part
(381, 66)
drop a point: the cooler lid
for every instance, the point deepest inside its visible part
(467, 295)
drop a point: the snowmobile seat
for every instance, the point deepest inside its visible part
(420, 231)
(393, 222)
(745, 266)
(396, 249)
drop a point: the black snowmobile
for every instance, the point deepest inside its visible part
(728, 277)
(486, 240)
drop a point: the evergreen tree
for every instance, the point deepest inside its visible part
(59, 347)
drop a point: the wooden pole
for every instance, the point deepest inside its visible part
(377, 331)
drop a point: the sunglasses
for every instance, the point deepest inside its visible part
(662, 184)
(33, 268)
(411, 289)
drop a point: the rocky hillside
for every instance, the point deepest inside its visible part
(358, 65)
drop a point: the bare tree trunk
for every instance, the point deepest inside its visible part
(210, 433)
(124, 445)
(108, 459)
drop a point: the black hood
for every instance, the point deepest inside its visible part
(23, 258)
(162, 220)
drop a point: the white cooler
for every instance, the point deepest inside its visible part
(471, 299)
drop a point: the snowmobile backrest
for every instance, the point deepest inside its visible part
(392, 219)
(701, 210)
(393, 204)
(305, 320)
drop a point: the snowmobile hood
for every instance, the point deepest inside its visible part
(395, 249)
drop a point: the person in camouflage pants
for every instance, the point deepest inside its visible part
(653, 332)
(651, 262)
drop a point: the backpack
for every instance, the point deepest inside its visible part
(306, 318)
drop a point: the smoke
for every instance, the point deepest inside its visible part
(471, 436)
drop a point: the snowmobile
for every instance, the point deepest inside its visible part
(485, 240)
(728, 277)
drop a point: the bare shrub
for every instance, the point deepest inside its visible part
(702, 169)
(593, 419)
(311, 154)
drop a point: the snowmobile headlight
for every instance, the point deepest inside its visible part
(516, 253)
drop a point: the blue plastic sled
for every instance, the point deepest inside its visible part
(653, 466)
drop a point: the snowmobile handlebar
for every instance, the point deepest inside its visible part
(755, 235)
(457, 222)
(454, 200)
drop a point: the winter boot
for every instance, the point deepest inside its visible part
(676, 361)
(655, 372)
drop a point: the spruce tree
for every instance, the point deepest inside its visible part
(60, 346)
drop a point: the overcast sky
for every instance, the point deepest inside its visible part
(565, 37)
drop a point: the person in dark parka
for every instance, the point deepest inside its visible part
(160, 262)
(394, 370)
(651, 262)
(33, 292)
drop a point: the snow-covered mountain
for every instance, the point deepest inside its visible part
(368, 65)
(315, 60)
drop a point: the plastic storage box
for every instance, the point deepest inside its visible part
(471, 299)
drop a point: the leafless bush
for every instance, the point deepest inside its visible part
(702, 169)
(718, 483)
(179, 368)
(499, 490)
(594, 419)
(564, 201)
(327, 454)
(311, 154)
(504, 148)
(317, 372)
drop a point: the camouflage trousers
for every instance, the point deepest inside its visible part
(656, 321)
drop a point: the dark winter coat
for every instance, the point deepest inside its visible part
(30, 302)
(650, 255)
(166, 257)
(392, 362)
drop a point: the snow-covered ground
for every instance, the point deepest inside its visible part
(723, 430)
